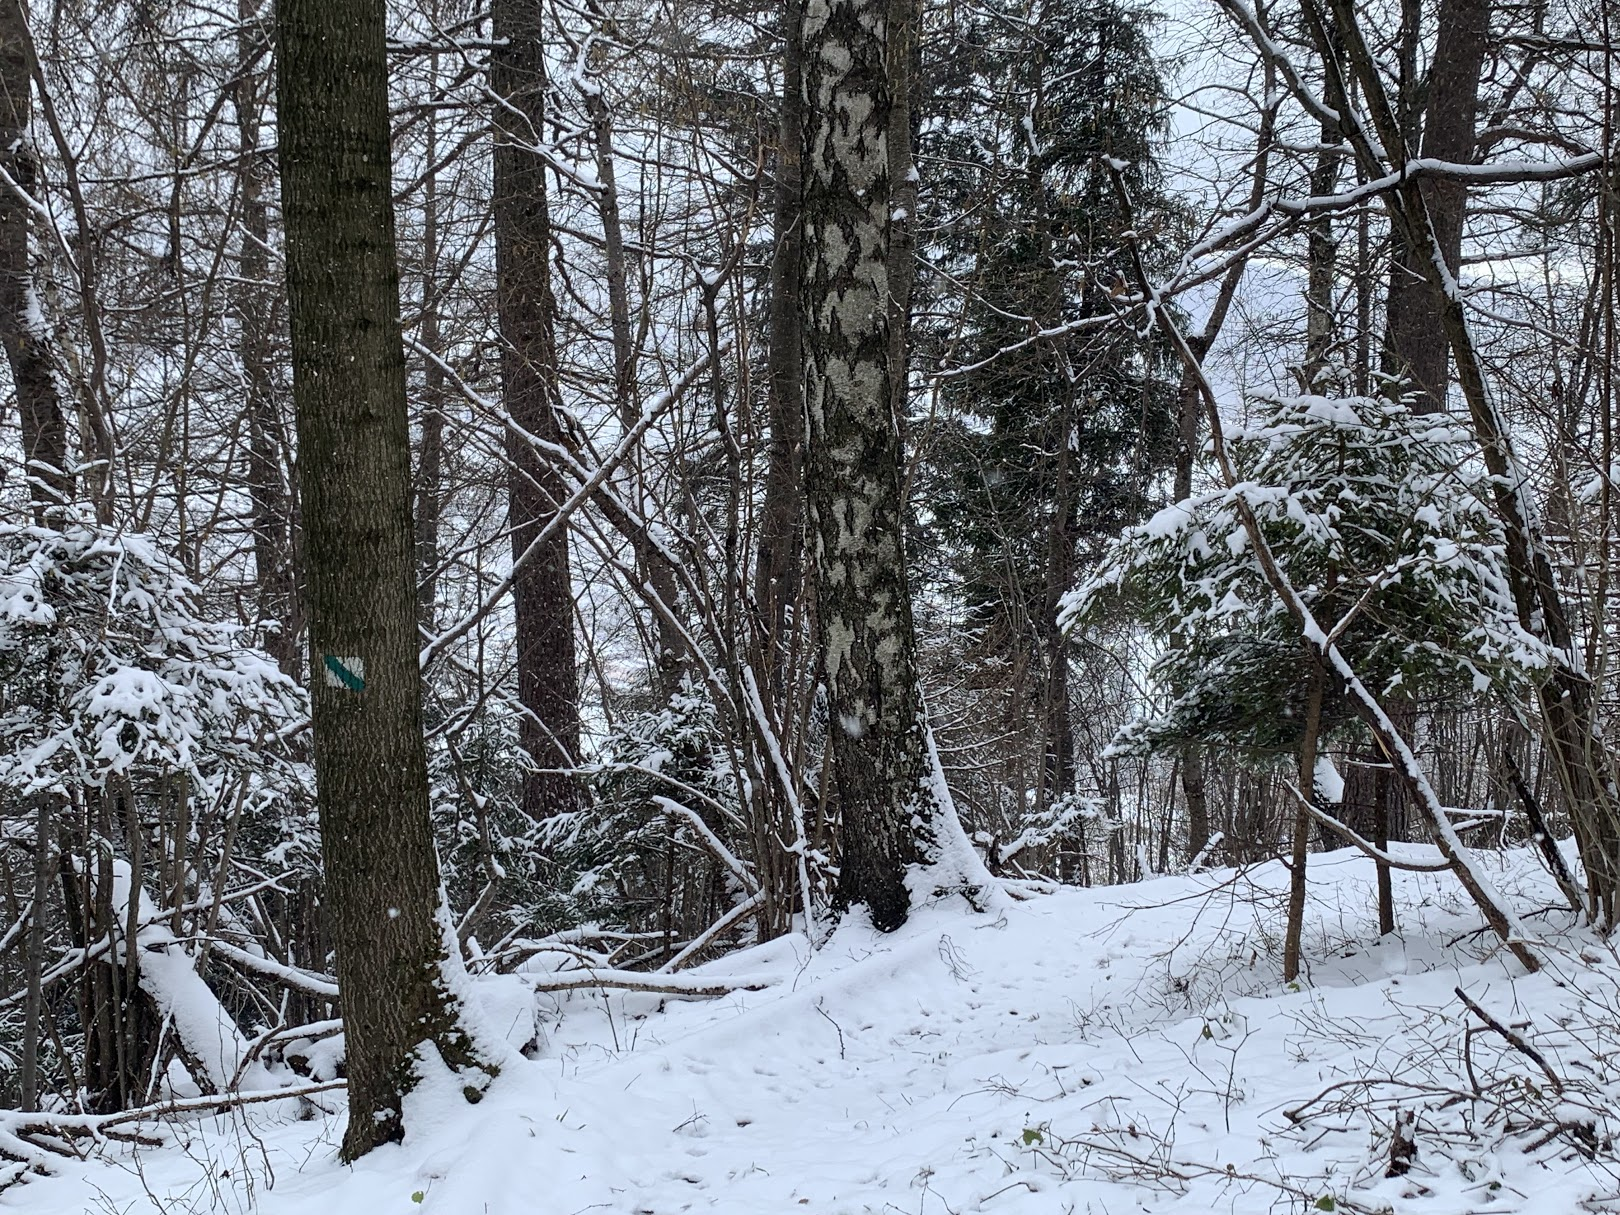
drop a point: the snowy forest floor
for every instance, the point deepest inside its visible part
(1109, 1050)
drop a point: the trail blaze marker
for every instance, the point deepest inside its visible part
(345, 674)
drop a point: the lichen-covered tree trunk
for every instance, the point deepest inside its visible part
(882, 783)
(22, 328)
(548, 682)
(382, 878)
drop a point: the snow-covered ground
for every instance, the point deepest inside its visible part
(1114, 1050)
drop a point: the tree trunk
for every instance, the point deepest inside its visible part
(1294, 931)
(22, 328)
(668, 664)
(781, 544)
(429, 482)
(893, 813)
(383, 896)
(33, 1000)
(1416, 345)
(252, 301)
(548, 681)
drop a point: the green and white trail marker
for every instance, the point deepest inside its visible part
(345, 674)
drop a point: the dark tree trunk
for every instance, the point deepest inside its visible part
(881, 775)
(781, 543)
(668, 662)
(382, 877)
(33, 1000)
(253, 302)
(22, 328)
(430, 460)
(1417, 345)
(1294, 931)
(548, 686)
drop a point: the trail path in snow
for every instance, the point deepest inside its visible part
(1107, 1051)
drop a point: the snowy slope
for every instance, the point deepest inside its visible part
(1115, 1050)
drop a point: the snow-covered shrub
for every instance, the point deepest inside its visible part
(108, 670)
(1380, 517)
(476, 768)
(615, 856)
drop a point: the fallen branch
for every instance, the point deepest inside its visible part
(1543, 837)
(1371, 849)
(306, 981)
(657, 984)
(18, 1131)
(1514, 1039)
(704, 938)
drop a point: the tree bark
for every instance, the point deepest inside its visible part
(383, 896)
(22, 327)
(1416, 345)
(548, 681)
(891, 817)
(779, 569)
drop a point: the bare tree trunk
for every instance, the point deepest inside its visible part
(882, 781)
(1416, 345)
(383, 897)
(430, 459)
(1294, 932)
(667, 662)
(543, 595)
(33, 1000)
(253, 300)
(781, 543)
(1320, 260)
(22, 328)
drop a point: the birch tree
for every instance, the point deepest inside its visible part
(894, 813)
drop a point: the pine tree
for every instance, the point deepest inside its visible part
(1060, 417)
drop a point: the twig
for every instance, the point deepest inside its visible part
(1515, 1039)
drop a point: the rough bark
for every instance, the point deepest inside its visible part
(881, 778)
(1416, 345)
(22, 328)
(548, 682)
(252, 302)
(382, 879)
(1321, 254)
